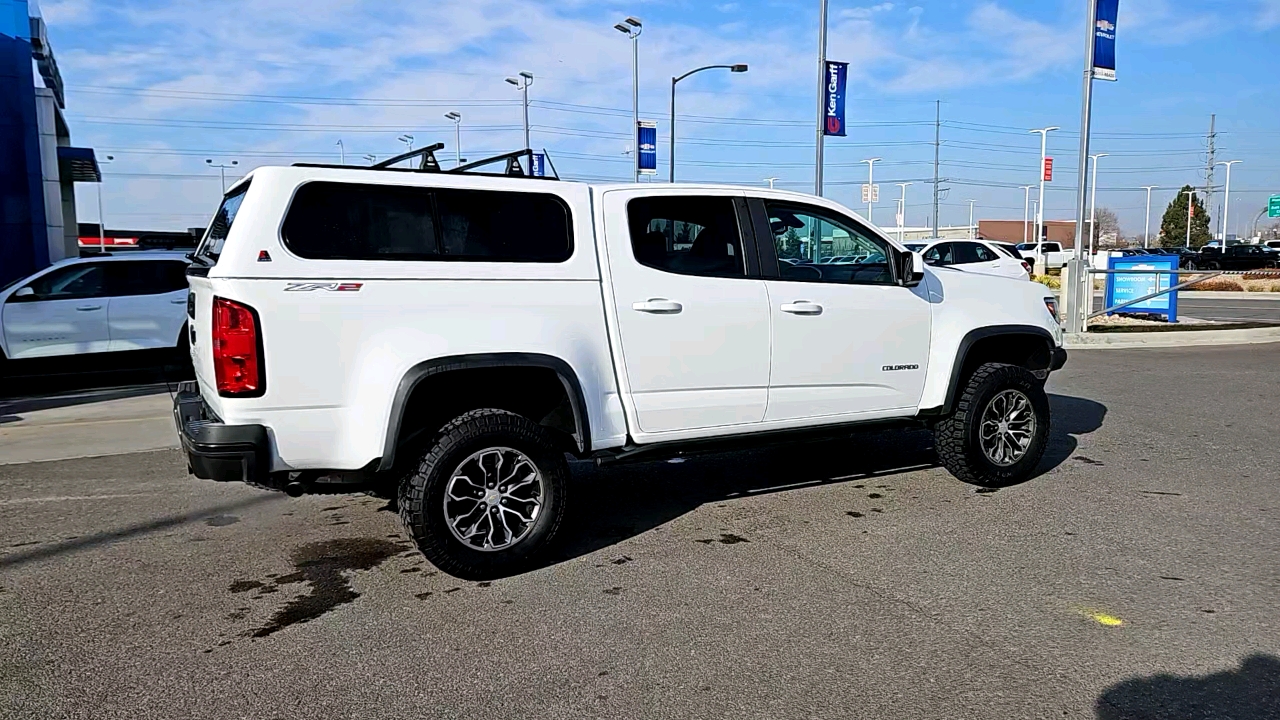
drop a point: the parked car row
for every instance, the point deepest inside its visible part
(977, 256)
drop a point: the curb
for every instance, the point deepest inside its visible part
(1168, 339)
(1206, 294)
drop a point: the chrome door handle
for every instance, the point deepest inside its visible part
(87, 308)
(657, 306)
(802, 307)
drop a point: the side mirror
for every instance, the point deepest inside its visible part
(24, 292)
(910, 269)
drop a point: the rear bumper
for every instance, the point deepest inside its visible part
(216, 451)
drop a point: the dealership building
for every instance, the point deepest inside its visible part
(38, 164)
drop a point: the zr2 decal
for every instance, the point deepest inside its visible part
(326, 286)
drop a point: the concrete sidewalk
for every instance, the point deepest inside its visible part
(86, 424)
(1171, 338)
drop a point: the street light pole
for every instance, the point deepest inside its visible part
(102, 224)
(770, 180)
(522, 83)
(632, 27)
(822, 84)
(1026, 203)
(871, 184)
(902, 210)
(1093, 201)
(222, 168)
(972, 230)
(1044, 146)
(1146, 231)
(456, 117)
(1226, 207)
(1191, 196)
(407, 140)
(342, 153)
(671, 170)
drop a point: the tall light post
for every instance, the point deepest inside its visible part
(671, 171)
(222, 170)
(902, 210)
(972, 229)
(102, 224)
(1026, 203)
(871, 184)
(342, 153)
(820, 145)
(632, 28)
(1191, 196)
(522, 83)
(1146, 230)
(771, 181)
(456, 117)
(371, 158)
(1093, 200)
(407, 140)
(1044, 146)
(1226, 207)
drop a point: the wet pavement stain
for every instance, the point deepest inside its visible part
(1160, 492)
(221, 520)
(986, 491)
(452, 590)
(322, 565)
(240, 586)
(725, 539)
(1087, 460)
(333, 507)
(411, 570)
(854, 514)
(423, 595)
(622, 560)
(1171, 577)
(483, 584)
(874, 496)
(613, 591)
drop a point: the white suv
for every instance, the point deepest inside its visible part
(100, 303)
(460, 333)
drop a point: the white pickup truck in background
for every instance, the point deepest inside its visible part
(459, 333)
(1054, 254)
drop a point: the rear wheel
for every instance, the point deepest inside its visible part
(488, 497)
(999, 429)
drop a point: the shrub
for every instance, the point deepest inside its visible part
(1218, 284)
(1052, 282)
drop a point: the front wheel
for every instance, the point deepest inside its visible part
(999, 429)
(488, 497)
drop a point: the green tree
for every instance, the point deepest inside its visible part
(1173, 228)
(790, 244)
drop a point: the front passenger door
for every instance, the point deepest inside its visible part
(847, 339)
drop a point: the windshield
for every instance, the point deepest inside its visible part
(216, 236)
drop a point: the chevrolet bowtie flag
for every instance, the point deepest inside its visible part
(836, 74)
(1104, 40)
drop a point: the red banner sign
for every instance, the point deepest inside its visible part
(1048, 169)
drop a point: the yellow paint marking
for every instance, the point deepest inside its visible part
(1105, 619)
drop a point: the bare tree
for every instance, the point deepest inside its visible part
(1106, 228)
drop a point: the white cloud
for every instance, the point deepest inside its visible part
(1160, 23)
(1268, 14)
(866, 12)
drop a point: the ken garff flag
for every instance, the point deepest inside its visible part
(836, 73)
(1104, 40)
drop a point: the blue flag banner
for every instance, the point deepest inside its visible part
(1104, 40)
(539, 168)
(833, 121)
(647, 142)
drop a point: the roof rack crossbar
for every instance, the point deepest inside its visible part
(427, 164)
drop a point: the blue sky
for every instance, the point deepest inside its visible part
(164, 85)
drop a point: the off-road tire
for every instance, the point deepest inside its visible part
(956, 436)
(421, 493)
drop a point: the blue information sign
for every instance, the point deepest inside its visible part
(837, 72)
(539, 165)
(1104, 39)
(647, 141)
(1123, 287)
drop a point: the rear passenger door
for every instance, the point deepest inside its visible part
(148, 303)
(692, 321)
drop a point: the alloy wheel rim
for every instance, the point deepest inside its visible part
(1007, 427)
(493, 499)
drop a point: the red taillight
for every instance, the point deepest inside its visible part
(1026, 266)
(237, 361)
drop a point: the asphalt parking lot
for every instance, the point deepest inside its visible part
(1136, 577)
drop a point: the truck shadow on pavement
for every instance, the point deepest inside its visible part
(614, 503)
(1250, 692)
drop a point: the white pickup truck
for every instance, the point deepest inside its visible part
(1054, 255)
(462, 333)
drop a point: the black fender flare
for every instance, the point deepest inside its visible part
(436, 366)
(971, 338)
